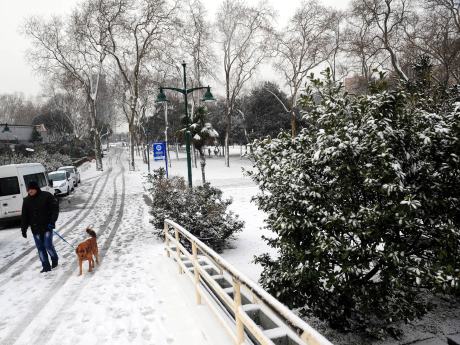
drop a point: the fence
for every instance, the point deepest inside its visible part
(248, 313)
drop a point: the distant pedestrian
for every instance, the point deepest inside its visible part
(209, 152)
(40, 210)
(216, 151)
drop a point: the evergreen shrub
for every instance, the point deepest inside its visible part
(201, 210)
(365, 205)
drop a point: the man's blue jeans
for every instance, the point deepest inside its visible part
(44, 244)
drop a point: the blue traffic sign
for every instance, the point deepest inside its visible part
(159, 151)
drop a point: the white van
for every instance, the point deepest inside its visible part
(13, 182)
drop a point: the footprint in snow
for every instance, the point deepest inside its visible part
(146, 334)
(120, 313)
(117, 333)
(132, 334)
(147, 311)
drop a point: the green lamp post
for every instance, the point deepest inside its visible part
(208, 97)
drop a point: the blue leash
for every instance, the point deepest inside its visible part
(62, 238)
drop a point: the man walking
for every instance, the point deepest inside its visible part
(40, 210)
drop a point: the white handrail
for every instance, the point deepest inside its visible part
(306, 333)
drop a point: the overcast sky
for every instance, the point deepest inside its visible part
(17, 76)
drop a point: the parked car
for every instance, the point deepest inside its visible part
(62, 182)
(74, 172)
(14, 179)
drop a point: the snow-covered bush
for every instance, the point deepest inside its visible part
(365, 205)
(200, 210)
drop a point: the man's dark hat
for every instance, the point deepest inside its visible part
(33, 185)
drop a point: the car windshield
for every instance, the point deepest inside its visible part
(57, 176)
(70, 170)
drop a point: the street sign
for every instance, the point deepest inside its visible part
(159, 151)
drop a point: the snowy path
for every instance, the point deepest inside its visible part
(135, 296)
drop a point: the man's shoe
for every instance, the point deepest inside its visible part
(45, 270)
(54, 264)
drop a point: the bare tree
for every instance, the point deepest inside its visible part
(362, 44)
(433, 32)
(16, 109)
(137, 31)
(389, 18)
(72, 102)
(336, 58)
(196, 42)
(245, 38)
(303, 45)
(61, 49)
(451, 6)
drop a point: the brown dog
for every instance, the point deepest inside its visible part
(87, 249)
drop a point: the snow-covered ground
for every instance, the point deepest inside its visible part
(135, 296)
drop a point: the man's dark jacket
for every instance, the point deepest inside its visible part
(38, 211)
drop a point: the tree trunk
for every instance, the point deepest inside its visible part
(226, 142)
(96, 138)
(203, 164)
(395, 63)
(194, 155)
(98, 151)
(293, 123)
(227, 125)
(246, 135)
(144, 153)
(131, 149)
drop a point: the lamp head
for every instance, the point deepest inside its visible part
(208, 97)
(161, 97)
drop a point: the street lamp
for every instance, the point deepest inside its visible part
(208, 97)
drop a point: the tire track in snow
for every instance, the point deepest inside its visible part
(15, 334)
(72, 221)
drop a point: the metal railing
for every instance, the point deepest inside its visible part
(248, 313)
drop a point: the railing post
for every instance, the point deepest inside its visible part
(176, 232)
(308, 339)
(167, 239)
(197, 273)
(237, 304)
